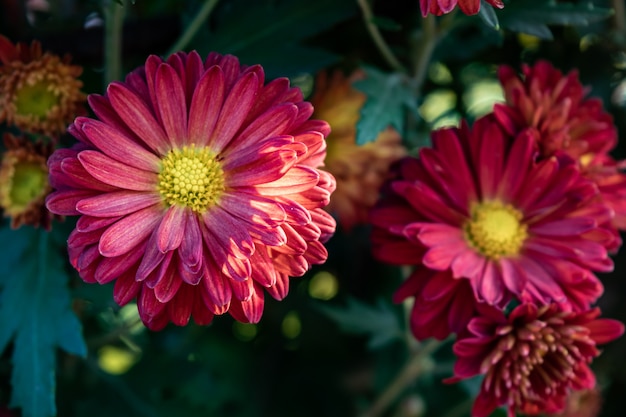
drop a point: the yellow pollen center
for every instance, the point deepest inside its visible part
(36, 100)
(495, 230)
(191, 177)
(30, 181)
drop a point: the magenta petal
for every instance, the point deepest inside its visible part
(205, 106)
(254, 208)
(564, 227)
(117, 174)
(253, 307)
(119, 147)
(117, 203)
(138, 117)
(171, 104)
(230, 233)
(217, 287)
(191, 248)
(167, 286)
(65, 202)
(296, 180)
(234, 111)
(126, 288)
(126, 234)
(172, 228)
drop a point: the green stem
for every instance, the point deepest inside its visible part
(113, 25)
(379, 41)
(202, 15)
(406, 376)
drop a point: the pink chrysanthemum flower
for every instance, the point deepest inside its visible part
(568, 121)
(479, 205)
(469, 7)
(532, 359)
(198, 189)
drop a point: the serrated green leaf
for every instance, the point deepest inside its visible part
(270, 33)
(488, 15)
(379, 322)
(389, 96)
(35, 308)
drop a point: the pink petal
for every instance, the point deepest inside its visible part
(179, 309)
(119, 147)
(126, 234)
(217, 287)
(171, 104)
(117, 174)
(234, 111)
(229, 233)
(296, 180)
(172, 228)
(138, 117)
(273, 122)
(126, 288)
(205, 106)
(117, 203)
(168, 286)
(191, 249)
(64, 202)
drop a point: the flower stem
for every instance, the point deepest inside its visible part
(378, 39)
(407, 375)
(113, 25)
(202, 15)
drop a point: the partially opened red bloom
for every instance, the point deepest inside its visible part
(532, 359)
(568, 121)
(469, 7)
(478, 204)
(198, 189)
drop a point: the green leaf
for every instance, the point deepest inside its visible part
(35, 309)
(534, 16)
(488, 15)
(379, 322)
(388, 96)
(386, 23)
(271, 33)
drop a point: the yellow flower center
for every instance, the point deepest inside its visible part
(495, 230)
(36, 100)
(191, 177)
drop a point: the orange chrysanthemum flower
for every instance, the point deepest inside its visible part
(359, 170)
(39, 92)
(24, 182)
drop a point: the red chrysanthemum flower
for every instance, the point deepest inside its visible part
(360, 171)
(568, 121)
(532, 359)
(469, 7)
(39, 92)
(478, 204)
(198, 189)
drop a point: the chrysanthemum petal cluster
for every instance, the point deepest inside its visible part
(39, 92)
(197, 187)
(359, 170)
(509, 212)
(469, 7)
(533, 358)
(569, 123)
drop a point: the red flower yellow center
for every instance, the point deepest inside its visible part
(495, 230)
(191, 177)
(36, 100)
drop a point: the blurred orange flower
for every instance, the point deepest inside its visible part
(359, 170)
(39, 92)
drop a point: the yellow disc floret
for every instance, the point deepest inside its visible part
(495, 229)
(191, 177)
(37, 100)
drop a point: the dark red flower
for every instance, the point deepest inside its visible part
(532, 359)
(469, 7)
(569, 122)
(478, 204)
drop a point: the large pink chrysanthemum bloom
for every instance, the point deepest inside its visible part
(478, 204)
(532, 359)
(198, 189)
(469, 7)
(568, 121)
